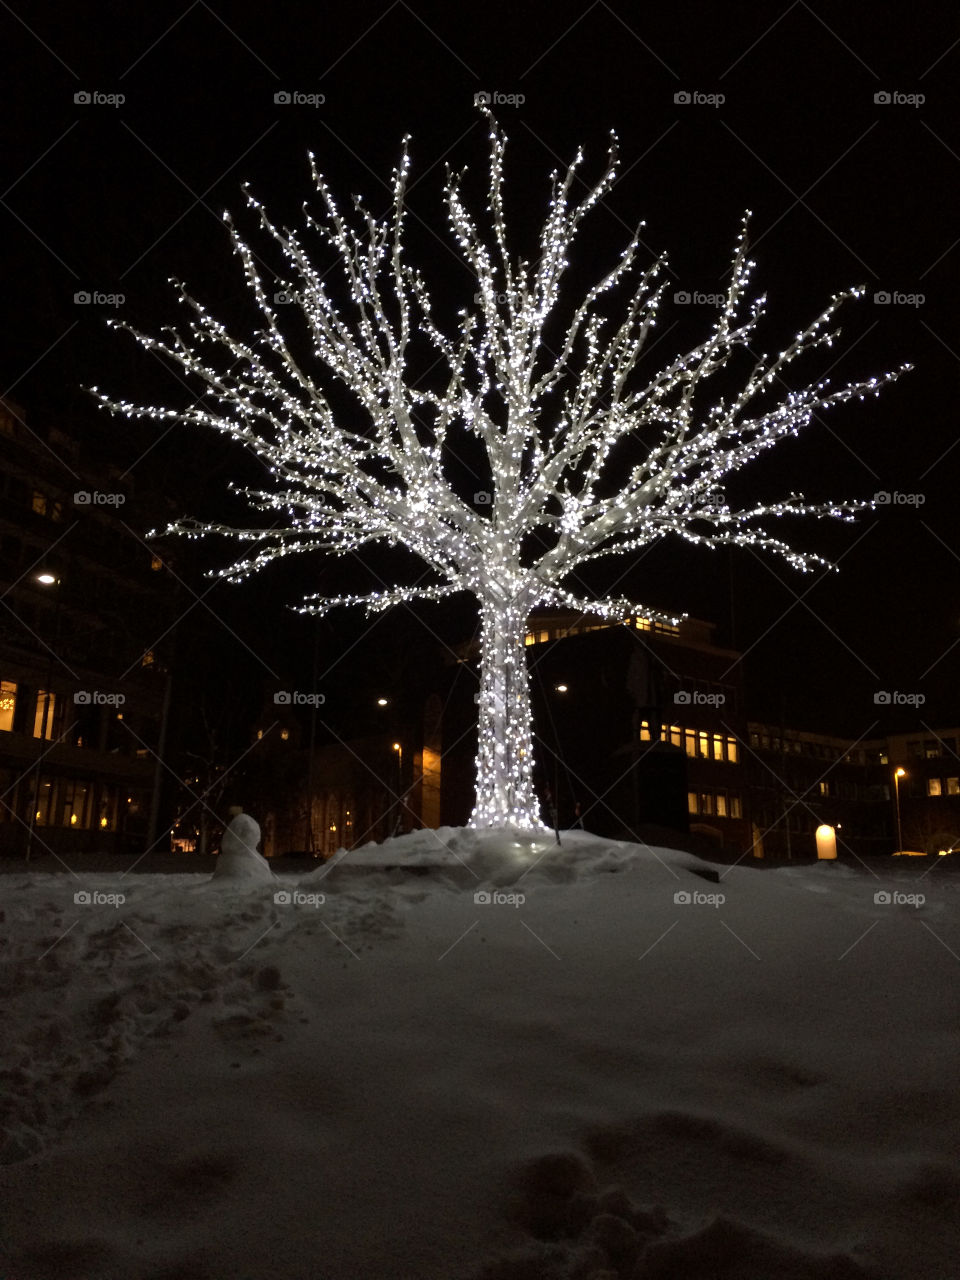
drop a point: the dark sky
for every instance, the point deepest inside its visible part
(113, 197)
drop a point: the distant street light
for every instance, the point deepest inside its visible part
(898, 774)
(382, 702)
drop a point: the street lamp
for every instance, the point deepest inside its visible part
(898, 774)
(399, 750)
(46, 578)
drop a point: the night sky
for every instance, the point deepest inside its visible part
(114, 197)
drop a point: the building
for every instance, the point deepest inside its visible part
(82, 678)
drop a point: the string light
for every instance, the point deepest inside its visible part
(551, 423)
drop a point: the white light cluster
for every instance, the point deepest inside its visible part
(551, 422)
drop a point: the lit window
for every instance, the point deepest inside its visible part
(933, 787)
(706, 802)
(735, 809)
(721, 805)
(717, 746)
(676, 735)
(284, 734)
(704, 744)
(691, 802)
(732, 750)
(8, 702)
(39, 503)
(46, 704)
(824, 788)
(953, 786)
(644, 731)
(690, 737)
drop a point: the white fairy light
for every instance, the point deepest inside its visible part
(550, 423)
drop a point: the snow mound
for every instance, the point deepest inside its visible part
(238, 858)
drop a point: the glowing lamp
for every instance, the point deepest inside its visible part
(826, 842)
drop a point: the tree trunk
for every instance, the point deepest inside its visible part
(505, 791)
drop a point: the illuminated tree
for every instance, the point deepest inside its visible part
(584, 458)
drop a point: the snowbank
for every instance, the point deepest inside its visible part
(480, 1055)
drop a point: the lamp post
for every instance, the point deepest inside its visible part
(46, 578)
(399, 750)
(898, 774)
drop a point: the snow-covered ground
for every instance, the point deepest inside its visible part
(605, 1066)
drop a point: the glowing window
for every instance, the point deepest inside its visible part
(8, 703)
(933, 787)
(732, 750)
(721, 805)
(690, 737)
(48, 701)
(39, 503)
(691, 802)
(953, 786)
(717, 746)
(735, 809)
